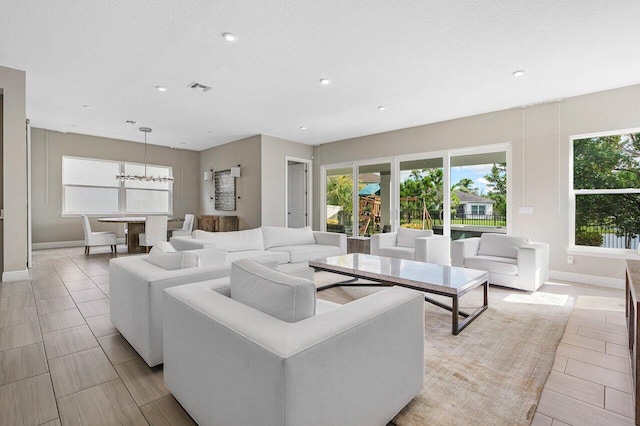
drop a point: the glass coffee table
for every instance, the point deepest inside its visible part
(449, 281)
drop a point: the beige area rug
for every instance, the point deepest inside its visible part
(494, 371)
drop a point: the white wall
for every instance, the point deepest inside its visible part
(274, 174)
(247, 153)
(539, 163)
(14, 171)
(47, 149)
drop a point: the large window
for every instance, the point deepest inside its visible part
(89, 187)
(606, 190)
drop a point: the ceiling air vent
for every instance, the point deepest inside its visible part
(198, 86)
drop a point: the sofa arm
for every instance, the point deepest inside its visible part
(533, 265)
(433, 249)
(379, 241)
(460, 249)
(331, 239)
(296, 369)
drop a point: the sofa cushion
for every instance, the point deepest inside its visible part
(250, 239)
(397, 252)
(501, 245)
(306, 252)
(283, 296)
(495, 264)
(165, 247)
(279, 256)
(171, 261)
(210, 256)
(407, 237)
(275, 236)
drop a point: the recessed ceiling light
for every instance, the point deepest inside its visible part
(325, 81)
(161, 88)
(382, 107)
(229, 36)
(303, 128)
(518, 73)
(88, 106)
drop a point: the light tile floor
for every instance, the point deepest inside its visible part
(63, 362)
(590, 383)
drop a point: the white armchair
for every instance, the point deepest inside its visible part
(411, 244)
(187, 227)
(511, 261)
(97, 238)
(355, 364)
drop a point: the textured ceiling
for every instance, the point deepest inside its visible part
(425, 60)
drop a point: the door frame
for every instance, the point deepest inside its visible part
(309, 164)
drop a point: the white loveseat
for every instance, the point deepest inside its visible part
(411, 244)
(228, 363)
(287, 245)
(511, 261)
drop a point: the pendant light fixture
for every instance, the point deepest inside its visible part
(121, 177)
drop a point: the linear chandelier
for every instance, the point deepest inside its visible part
(121, 177)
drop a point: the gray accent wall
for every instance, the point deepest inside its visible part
(247, 153)
(274, 175)
(48, 148)
(540, 160)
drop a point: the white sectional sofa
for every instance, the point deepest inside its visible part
(287, 245)
(136, 285)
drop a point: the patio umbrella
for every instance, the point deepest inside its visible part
(370, 189)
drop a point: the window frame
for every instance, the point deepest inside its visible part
(122, 189)
(573, 193)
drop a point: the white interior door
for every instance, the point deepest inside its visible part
(297, 195)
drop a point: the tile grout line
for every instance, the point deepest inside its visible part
(44, 349)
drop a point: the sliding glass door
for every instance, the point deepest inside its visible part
(422, 194)
(478, 194)
(339, 200)
(374, 199)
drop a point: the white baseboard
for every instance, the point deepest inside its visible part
(587, 279)
(15, 275)
(65, 244)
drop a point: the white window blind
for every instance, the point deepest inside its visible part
(90, 187)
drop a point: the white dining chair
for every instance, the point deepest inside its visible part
(187, 227)
(155, 230)
(97, 238)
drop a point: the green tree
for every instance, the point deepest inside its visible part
(607, 162)
(466, 185)
(498, 188)
(340, 193)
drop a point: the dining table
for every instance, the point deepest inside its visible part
(135, 226)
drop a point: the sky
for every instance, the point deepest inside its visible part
(476, 173)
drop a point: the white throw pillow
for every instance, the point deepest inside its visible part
(280, 295)
(210, 256)
(501, 245)
(165, 247)
(233, 241)
(171, 261)
(407, 237)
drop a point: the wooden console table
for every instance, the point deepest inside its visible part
(633, 326)
(217, 223)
